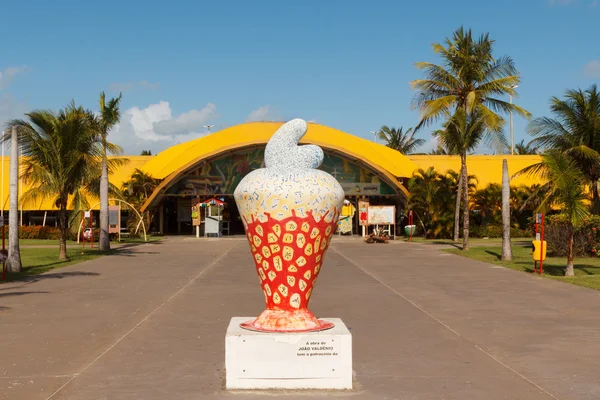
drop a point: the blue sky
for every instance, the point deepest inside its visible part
(185, 64)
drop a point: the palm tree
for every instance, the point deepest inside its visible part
(439, 151)
(456, 179)
(523, 149)
(13, 262)
(506, 245)
(431, 199)
(464, 90)
(462, 133)
(396, 139)
(138, 189)
(63, 152)
(575, 130)
(109, 116)
(564, 189)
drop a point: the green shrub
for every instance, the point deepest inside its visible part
(495, 231)
(48, 233)
(586, 239)
(35, 232)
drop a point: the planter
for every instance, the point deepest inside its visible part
(410, 230)
(289, 211)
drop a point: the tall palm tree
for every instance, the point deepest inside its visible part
(109, 116)
(13, 262)
(466, 89)
(63, 152)
(564, 189)
(575, 130)
(462, 133)
(447, 146)
(506, 244)
(523, 149)
(396, 139)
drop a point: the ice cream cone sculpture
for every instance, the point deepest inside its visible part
(290, 210)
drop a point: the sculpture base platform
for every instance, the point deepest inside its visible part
(265, 360)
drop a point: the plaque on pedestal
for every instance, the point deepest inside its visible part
(275, 360)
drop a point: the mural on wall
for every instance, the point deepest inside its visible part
(221, 176)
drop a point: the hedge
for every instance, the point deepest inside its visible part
(495, 231)
(45, 232)
(586, 238)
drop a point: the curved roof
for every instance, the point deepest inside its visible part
(258, 133)
(173, 162)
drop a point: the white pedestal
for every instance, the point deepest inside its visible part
(316, 360)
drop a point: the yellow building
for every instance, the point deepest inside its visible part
(213, 165)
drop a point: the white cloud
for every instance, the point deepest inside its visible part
(128, 86)
(8, 75)
(149, 85)
(264, 113)
(120, 87)
(155, 128)
(594, 4)
(592, 69)
(11, 109)
(188, 122)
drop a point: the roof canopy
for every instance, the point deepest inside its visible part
(255, 133)
(173, 162)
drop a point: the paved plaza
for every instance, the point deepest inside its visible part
(149, 323)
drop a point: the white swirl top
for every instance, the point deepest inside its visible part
(283, 152)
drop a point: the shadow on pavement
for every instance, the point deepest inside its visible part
(11, 294)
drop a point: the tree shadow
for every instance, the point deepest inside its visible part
(60, 275)
(29, 279)
(12, 294)
(494, 253)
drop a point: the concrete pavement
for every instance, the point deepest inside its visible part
(149, 323)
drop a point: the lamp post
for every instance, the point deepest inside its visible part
(512, 135)
(374, 136)
(208, 127)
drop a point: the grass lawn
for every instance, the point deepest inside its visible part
(587, 269)
(38, 261)
(476, 241)
(46, 242)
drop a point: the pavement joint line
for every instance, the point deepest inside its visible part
(215, 261)
(442, 323)
(38, 376)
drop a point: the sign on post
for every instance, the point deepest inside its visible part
(114, 219)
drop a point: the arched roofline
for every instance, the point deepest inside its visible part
(349, 155)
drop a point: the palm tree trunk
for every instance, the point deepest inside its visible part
(13, 263)
(570, 271)
(595, 197)
(104, 241)
(506, 246)
(463, 159)
(457, 207)
(63, 230)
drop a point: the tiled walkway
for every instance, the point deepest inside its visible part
(149, 323)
